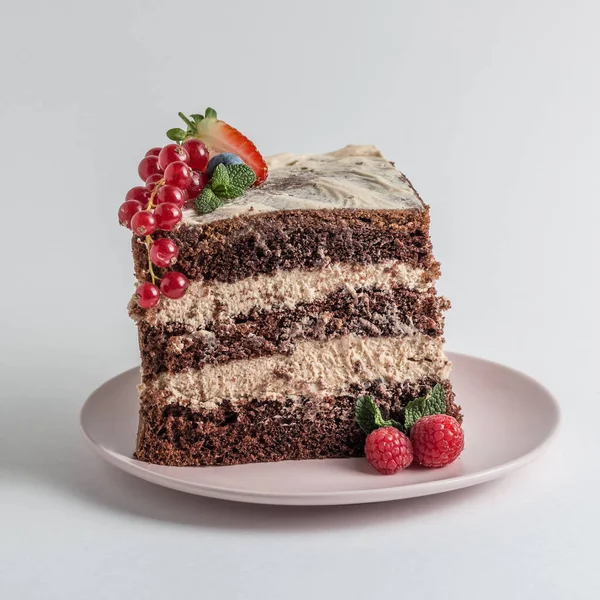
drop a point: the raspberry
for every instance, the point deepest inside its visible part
(388, 450)
(437, 440)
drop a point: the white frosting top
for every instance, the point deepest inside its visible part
(353, 177)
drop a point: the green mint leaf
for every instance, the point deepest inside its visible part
(176, 134)
(381, 422)
(220, 181)
(197, 118)
(368, 416)
(432, 404)
(210, 113)
(231, 181)
(207, 201)
(241, 176)
(365, 412)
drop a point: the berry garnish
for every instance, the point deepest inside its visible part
(221, 137)
(152, 181)
(178, 174)
(172, 153)
(173, 284)
(388, 450)
(199, 182)
(167, 215)
(170, 193)
(227, 182)
(139, 193)
(143, 223)
(164, 252)
(225, 158)
(433, 403)
(198, 153)
(148, 166)
(148, 295)
(208, 201)
(437, 440)
(127, 210)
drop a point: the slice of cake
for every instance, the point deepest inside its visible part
(281, 306)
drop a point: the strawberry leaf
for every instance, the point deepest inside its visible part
(176, 134)
(185, 119)
(210, 113)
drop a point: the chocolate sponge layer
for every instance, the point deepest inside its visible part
(231, 249)
(265, 429)
(261, 430)
(366, 312)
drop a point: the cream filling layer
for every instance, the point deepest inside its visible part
(205, 302)
(316, 368)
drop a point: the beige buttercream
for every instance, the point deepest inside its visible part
(353, 177)
(206, 301)
(315, 368)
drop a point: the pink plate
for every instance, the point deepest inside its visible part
(495, 443)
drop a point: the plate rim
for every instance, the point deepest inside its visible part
(335, 497)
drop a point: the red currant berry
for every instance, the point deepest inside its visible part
(148, 295)
(170, 193)
(153, 152)
(172, 153)
(197, 152)
(148, 166)
(167, 215)
(164, 252)
(127, 210)
(178, 174)
(139, 193)
(152, 181)
(174, 284)
(199, 181)
(143, 223)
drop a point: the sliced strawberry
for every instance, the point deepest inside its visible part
(221, 137)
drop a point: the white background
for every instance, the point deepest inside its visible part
(491, 108)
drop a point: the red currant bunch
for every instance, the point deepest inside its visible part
(172, 175)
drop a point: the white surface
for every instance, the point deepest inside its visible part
(490, 394)
(491, 109)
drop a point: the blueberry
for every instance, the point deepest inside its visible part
(226, 158)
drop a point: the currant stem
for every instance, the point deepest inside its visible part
(155, 277)
(158, 185)
(149, 240)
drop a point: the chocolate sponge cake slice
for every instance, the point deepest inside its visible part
(308, 291)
